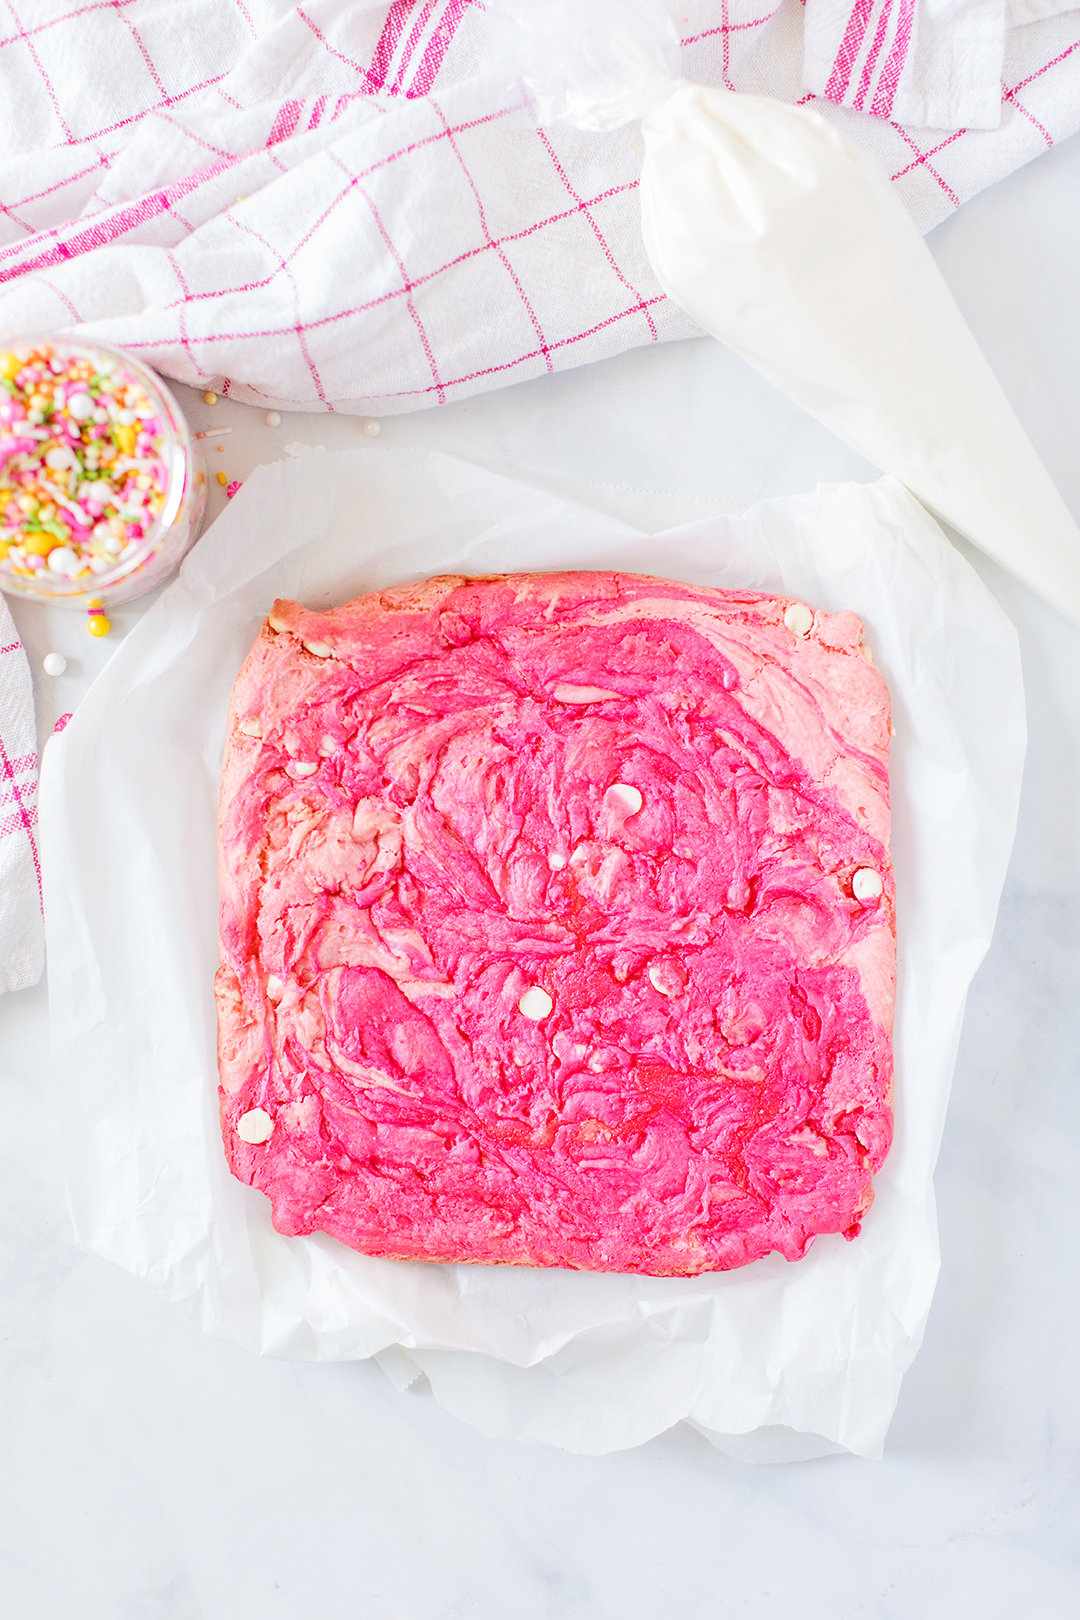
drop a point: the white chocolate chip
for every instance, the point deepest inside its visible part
(799, 618)
(556, 861)
(867, 651)
(275, 987)
(326, 745)
(626, 797)
(276, 622)
(582, 694)
(660, 980)
(535, 1003)
(302, 767)
(318, 649)
(866, 884)
(251, 727)
(255, 1126)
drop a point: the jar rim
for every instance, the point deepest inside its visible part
(178, 460)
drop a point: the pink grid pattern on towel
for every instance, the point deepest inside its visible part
(21, 940)
(327, 206)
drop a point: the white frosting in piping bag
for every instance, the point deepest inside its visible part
(785, 240)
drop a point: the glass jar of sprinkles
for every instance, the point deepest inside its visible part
(102, 489)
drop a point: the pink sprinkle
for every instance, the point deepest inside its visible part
(231, 489)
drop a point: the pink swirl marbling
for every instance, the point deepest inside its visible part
(428, 809)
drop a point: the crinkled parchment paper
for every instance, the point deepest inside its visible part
(776, 1360)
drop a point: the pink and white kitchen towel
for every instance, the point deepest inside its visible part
(928, 64)
(337, 205)
(22, 940)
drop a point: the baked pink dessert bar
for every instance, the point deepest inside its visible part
(557, 923)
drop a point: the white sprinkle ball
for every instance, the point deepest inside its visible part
(255, 1126)
(63, 560)
(535, 1003)
(372, 428)
(273, 418)
(54, 663)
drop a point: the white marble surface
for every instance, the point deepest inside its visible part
(150, 1473)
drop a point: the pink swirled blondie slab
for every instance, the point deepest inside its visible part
(557, 923)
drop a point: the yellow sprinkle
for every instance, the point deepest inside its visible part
(9, 365)
(40, 545)
(125, 435)
(210, 397)
(98, 625)
(221, 478)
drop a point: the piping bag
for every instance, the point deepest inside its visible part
(784, 239)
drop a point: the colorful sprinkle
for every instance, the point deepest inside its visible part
(210, 397)
(231, 489)
(273, 418)
(83, 464)
(97, 623)
(54, 663)
(371, 428)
